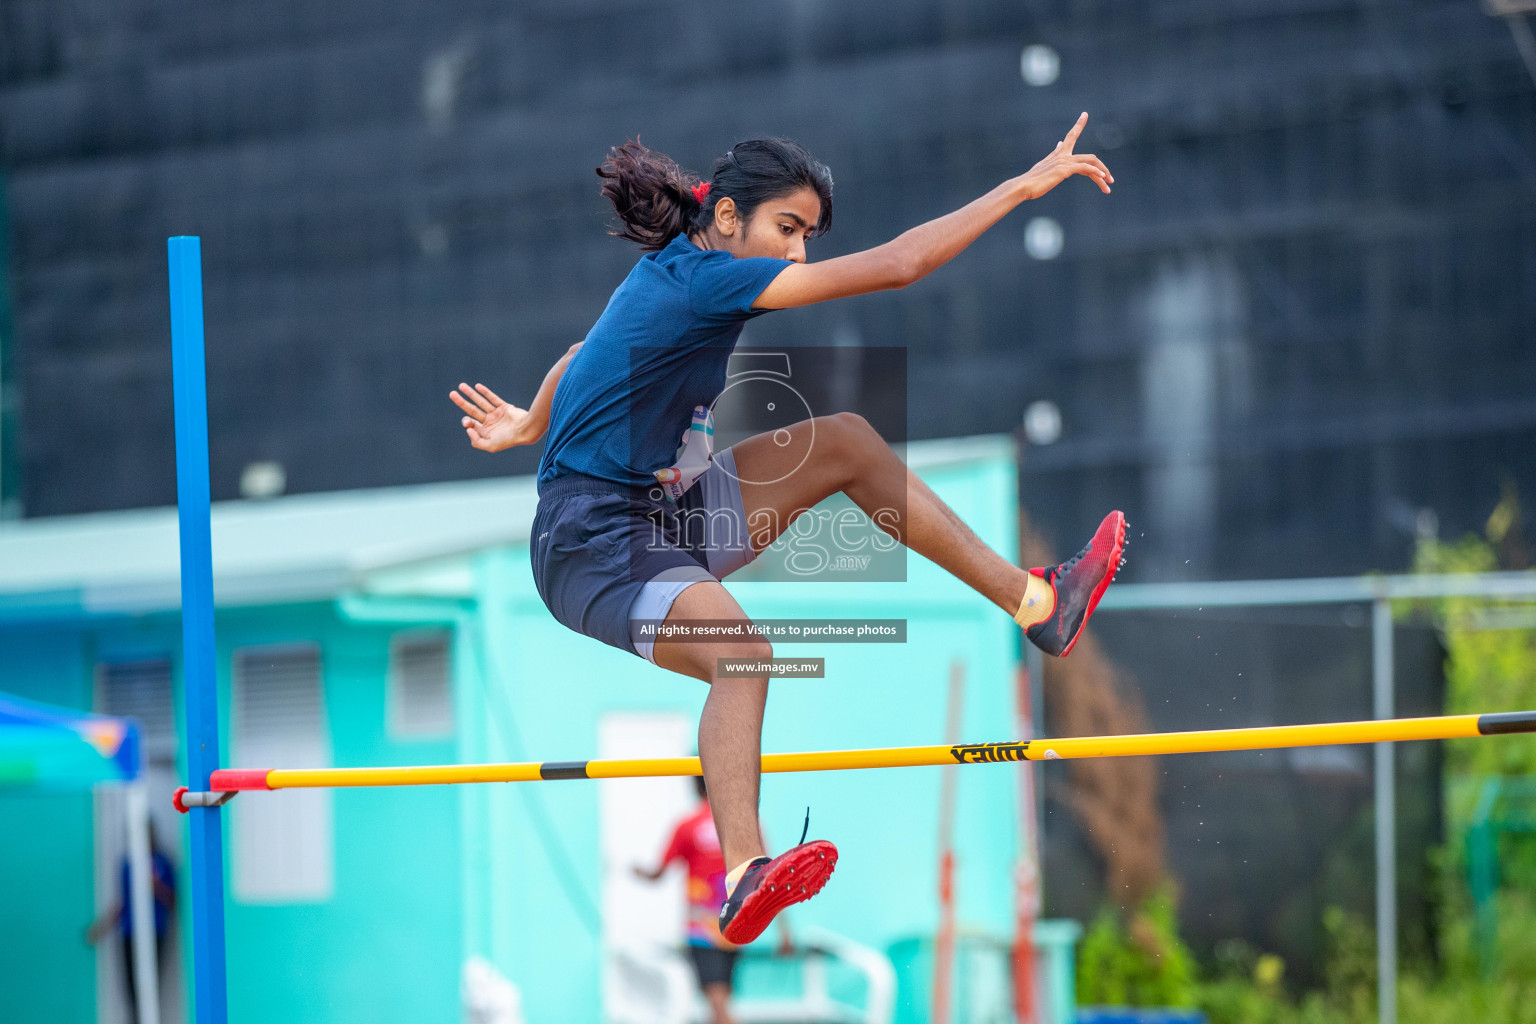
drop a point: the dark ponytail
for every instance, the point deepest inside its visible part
(656, 200)
(649, 192)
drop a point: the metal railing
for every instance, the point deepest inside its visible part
(1379, 592)
(654, 985)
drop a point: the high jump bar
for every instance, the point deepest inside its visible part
(229, 781)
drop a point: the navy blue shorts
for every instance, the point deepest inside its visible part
(604, 554)
(713, 966)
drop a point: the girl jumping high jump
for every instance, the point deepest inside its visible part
(608, 547)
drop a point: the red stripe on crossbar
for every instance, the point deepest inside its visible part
(230, 780)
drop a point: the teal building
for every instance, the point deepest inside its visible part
(402, 626)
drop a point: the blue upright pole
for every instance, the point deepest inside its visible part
(192, 500)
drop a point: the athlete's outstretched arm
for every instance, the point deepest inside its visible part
(918, 252)
(494, 424)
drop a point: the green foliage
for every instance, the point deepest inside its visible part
(1488, 669)
(1246, 985)
(1104, 962)
(1142, 962)
(1350, 971)
(1491, 666)
(1455, 994)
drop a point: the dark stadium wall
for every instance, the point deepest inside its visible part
(1298, 332)
(10, 391)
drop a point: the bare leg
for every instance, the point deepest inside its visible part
(719, 996)
(844, 453)
(847, 455)
(731, 725)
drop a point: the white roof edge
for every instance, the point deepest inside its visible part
(305, 546)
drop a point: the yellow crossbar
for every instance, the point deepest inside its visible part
(1269, 737)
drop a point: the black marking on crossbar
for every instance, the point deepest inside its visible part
(984, 753)
(1506, 722)
(563, 770)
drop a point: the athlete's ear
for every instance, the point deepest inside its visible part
(726, 220)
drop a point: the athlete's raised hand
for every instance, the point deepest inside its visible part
(919, 251)
(492, 423)
(1062, 163)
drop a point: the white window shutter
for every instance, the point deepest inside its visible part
(420, 698)
(283, 839)
(141, 690)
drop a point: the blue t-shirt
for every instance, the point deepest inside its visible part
(162, 883)
(658, 350)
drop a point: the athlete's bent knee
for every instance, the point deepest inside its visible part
(752, 650)
(852, 427)
(854, 440)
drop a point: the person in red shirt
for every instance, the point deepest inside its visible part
(696, 843)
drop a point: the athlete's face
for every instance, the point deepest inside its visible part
(779, 227)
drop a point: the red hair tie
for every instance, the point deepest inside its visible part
(700, 191)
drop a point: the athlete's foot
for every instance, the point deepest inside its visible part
(1056, 619)
(768, 886)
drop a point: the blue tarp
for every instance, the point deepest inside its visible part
(45, 747)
